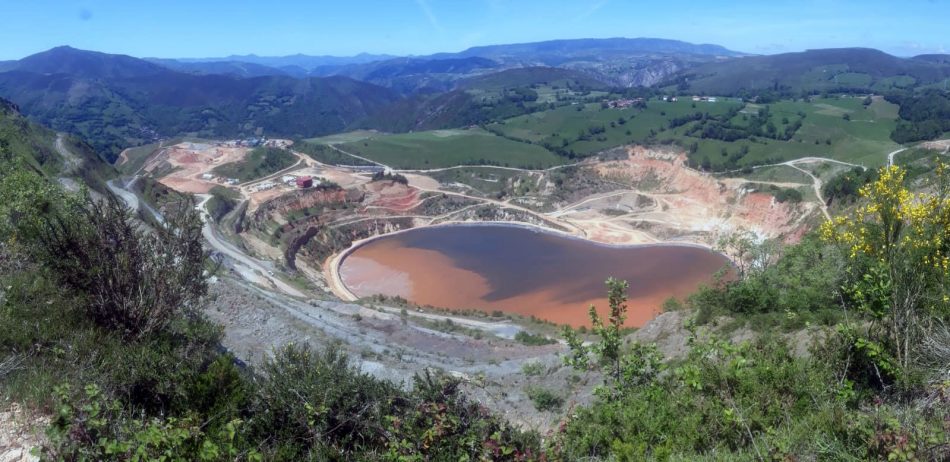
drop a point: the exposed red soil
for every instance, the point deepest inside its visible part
(391, 195)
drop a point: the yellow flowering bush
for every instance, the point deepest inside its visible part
(898, 248)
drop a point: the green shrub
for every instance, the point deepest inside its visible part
(786, 195)
(88, 426)
(134, 282)
(311, 402)
(742, 401)
(530, 339)
(222, 201)
(442, 424)
(544, 400)
(800, 285)
(532, 368)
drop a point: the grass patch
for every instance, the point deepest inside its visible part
(486, 180)
(779, 174)
(447, 148)
(544, 400)
(533, 368)
(258, 163)
(528, 338)
(340, 138)
(323, 153)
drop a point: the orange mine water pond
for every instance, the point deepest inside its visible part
(525, 271)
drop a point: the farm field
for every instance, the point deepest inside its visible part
(575, 128)
(446, 148)
(346, 137)
(838, 128)
(863, 138)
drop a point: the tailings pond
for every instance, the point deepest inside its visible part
(525, 271)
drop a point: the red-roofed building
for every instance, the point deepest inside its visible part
(304, 182)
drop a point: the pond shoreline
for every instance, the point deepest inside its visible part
(333, 266)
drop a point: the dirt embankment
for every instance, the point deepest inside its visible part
(279, 208)
(692, 205)
(390, 196)
(939, 145)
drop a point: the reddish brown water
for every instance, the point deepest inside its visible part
(524, 271)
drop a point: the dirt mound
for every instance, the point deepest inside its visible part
(187, 158)
(391, 195)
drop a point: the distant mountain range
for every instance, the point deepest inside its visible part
(298, 65)
(302, 61)
(618, 61)
(116, 101)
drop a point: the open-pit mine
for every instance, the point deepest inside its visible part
(633, 213)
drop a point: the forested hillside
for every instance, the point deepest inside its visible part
(924, 116)
(813, 71)
(33, 146)
(117, 101)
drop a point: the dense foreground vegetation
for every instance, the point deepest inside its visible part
(100, 326)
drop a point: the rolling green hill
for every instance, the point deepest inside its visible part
(116, 101)
(490, 98)
(925, 115)
(723, 135)
(839, 69)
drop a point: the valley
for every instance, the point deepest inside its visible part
(641, 196)
(285, 256)
(578, 249)
(617, 185)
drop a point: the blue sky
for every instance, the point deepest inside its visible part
(205, 28)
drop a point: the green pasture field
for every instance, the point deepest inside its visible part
(447, 148)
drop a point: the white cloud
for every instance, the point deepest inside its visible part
(434, 21)
(596, 6)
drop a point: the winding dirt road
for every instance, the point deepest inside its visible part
(890, 156)
(251, 269)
